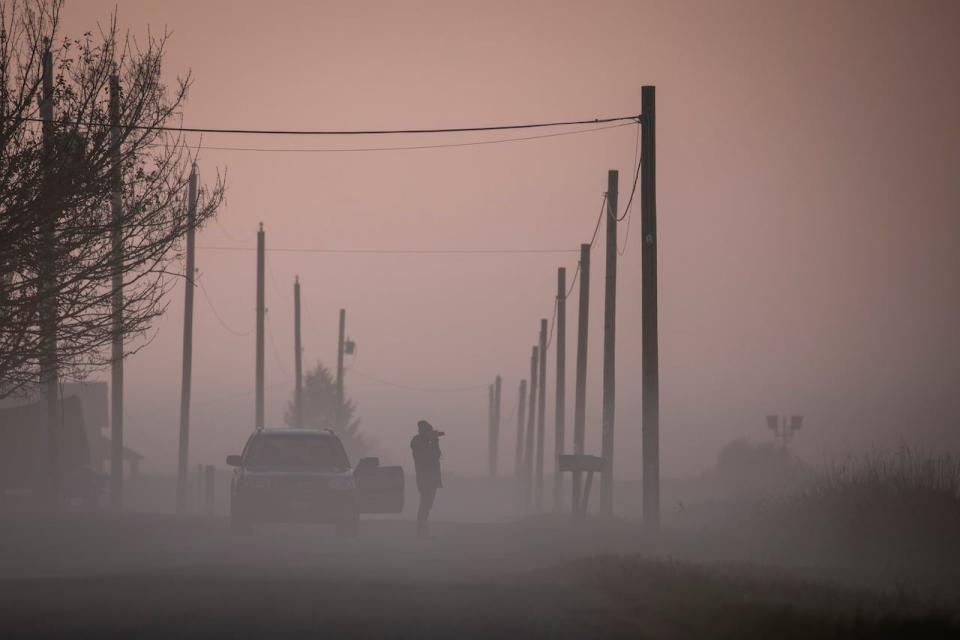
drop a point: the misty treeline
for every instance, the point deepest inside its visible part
(58, 253)
(319, 402)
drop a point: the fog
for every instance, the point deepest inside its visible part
(807, 214)
(806, 208)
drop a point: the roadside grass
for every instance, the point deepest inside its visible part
(669, 599)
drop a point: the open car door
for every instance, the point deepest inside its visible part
(379, 489)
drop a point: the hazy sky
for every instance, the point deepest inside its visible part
(808, 211)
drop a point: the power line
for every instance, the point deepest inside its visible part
(217, 313)
(603, 205)
(636, 178)
(387, 251)
(636, 161)
(345, 132)
(406, 147)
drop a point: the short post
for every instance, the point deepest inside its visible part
(210, 479)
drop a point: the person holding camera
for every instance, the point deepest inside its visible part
(426, 462)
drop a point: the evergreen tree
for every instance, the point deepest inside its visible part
(319, 397)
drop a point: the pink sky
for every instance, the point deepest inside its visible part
(808, 214)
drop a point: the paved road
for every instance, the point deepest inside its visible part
(165, 577)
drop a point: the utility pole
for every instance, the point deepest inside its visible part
(185, 379)
(494, 449)
(649, 339)
(560, 407)
(47, 275)
(261, 312)
(297, 356)
(521, 416)
(609, 347)
(116, 350)
(541, 411)
(531, 417)
(580, 398)
(490, 430)
(343, 326)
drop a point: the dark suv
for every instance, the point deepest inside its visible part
(304, 475)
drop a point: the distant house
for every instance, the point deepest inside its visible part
(24, 453)
(83, 441)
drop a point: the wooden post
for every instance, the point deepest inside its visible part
(609, 347)
(490, 430)
(541, 411)
(521, 417)
(186, 375)
(261, 311)
(531, 417)
(297, 356)
(495, 441)
(649, 340)
(116, 347)
(580, 399)
(560, 406)
(209, 480)
(340, 339)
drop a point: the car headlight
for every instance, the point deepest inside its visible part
(342, 484)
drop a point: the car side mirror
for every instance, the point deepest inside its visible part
(233, 461)
(368, 463)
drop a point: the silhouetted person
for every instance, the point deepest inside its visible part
(426, 462)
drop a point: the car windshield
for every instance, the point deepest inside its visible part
(296, 452)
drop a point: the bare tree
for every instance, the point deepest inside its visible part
(55, 191)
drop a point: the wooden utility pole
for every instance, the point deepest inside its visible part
(116, 350)
(297, 356)
(609, 347)
(580, 394)
(531, 417)
(47, 276)
(541, 411)
(185, 379)
(560, 407)
(495, 427)
(650, 358)
(521, 417)
(490, 430)
(340, 339)
(258, 421)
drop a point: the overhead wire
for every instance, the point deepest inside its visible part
(418, 147)
(387, 251)
(216, 313)
(341, 132)
(636, 161)
(636, 178)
